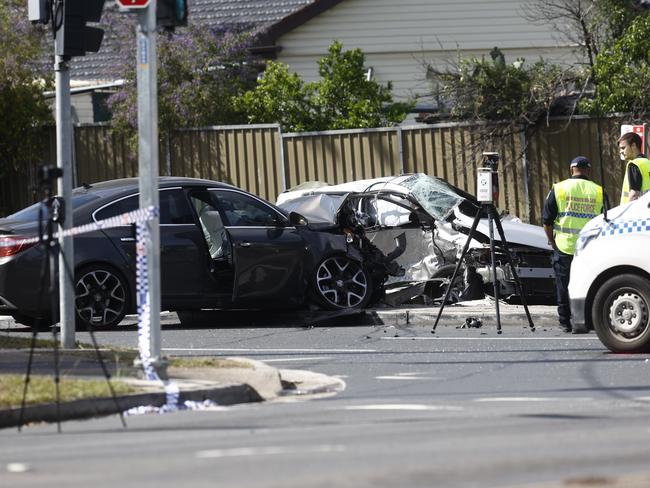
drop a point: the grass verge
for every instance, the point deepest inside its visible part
(41, 389)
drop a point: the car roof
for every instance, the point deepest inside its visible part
(111, 188)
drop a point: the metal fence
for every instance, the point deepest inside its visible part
(264, 161)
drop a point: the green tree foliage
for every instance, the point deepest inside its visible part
(23, 80)
(493, 90)
(623, 70)
(343, 98)
(280, 96)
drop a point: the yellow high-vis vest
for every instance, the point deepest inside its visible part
(578, 201)
(644, 166)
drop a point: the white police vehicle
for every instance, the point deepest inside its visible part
(610, 277)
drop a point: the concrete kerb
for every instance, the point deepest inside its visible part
(224, 386)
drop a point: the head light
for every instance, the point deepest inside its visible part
(585, 238)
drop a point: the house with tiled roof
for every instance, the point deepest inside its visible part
(399, 38)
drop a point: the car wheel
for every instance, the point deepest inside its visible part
(342, 283)
(437, 287)
(101, 296)
(621, 313)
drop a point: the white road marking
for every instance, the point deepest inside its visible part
(254, 349)
(402, 406)
(483, 338)
(266, 451)
(402, 377)
(282, 360)
(529, 399)
(18, 468)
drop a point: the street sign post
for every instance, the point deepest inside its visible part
(133, 3)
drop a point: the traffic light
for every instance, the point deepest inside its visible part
(75, 38)
(171, 13)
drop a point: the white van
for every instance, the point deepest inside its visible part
(610, 277)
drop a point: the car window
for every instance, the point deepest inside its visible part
(174, 207)
(240, 209)
(118, 207)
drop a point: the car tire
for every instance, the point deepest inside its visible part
(341, 283)
(621, 313)
(40, 323)
(102, 296)
(437, 287)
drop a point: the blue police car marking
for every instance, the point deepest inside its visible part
(627, 227)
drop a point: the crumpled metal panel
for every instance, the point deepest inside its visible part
(318, 208)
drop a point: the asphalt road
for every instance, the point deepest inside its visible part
(463, 408)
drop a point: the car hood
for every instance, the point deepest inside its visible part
(321, 202)
(515, 230)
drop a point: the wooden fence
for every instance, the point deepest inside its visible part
(265, 161)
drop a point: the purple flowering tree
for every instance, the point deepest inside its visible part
(200, 71)
(23, 79)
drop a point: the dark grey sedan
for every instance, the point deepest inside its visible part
(221, 247)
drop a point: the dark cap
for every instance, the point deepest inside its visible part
(580, 162)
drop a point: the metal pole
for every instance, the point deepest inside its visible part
(494, 270)
(400, 149)
(148, 161)
(64, 189)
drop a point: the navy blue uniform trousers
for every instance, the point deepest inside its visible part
(562, 268)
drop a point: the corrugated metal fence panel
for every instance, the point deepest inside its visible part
(340, 156)
(245, 156)
(102, 155)
(551, 149)
(251, 157)
(452, 152)
(19, 187)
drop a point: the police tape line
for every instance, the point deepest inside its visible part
(144, 320)
(140, 218)
(134, 217)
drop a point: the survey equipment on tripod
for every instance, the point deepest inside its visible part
(487, 194)
(487, 179)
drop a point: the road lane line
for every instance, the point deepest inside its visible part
(531, 399)
(398, 377)
(282, 360)
(402, 406)
(267, 451)
(252, 349)
(501, 338)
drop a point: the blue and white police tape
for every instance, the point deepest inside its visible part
(144, 320)
(133, 217)
(140, 218)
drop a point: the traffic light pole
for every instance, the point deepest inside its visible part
(148, 163)
(64, 189)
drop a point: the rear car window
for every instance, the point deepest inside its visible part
(174, 207)
(30, 213)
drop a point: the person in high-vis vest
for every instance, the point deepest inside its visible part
(636, 181)
(569, 205)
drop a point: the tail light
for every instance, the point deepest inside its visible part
(11, 245)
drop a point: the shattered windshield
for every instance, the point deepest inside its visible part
(437, 197)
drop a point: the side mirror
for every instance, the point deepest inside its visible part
(297, 220)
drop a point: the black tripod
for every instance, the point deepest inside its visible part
(493, 218)
(54, 207)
